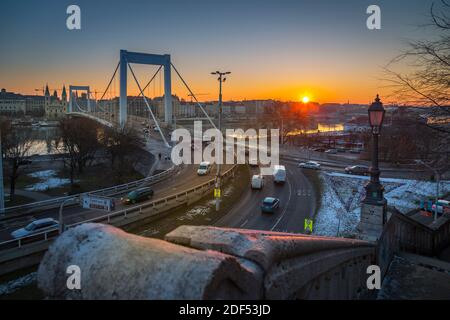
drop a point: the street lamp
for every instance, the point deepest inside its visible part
(374, 205)
(221, 79)
(60, 214)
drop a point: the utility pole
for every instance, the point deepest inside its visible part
(217, 192)
(2, 193)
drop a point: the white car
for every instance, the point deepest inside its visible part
(309, 165)
(257, 181)
(36, 226)
(204, 168)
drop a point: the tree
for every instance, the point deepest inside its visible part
(121, 143)
(428, 82)
(80, 141)
(15, 146)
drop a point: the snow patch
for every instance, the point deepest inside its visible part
(48, 181)
(342, 195)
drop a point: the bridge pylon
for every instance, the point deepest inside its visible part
(127, 57)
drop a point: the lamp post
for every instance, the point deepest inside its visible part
(373, 208)
(374, 190)
(221, 79)
(60, 214)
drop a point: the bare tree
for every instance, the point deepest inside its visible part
(15, 146)
(121, 143)
(80, 141)
(428, 82)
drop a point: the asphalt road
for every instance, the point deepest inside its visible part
(297, 202)
(184, 179)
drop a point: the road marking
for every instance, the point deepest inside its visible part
(285, 208)
(245, 222)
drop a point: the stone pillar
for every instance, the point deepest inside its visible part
(372, 220)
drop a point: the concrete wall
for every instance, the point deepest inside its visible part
(199, 262)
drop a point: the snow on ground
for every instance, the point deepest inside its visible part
(342, 194)
(16, 284)
(48, 181)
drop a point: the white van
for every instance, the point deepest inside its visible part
(204, 168)
(257, 181)
(279, 174)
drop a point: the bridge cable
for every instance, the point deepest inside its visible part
(148, 83)
(107, 87)
(194, 97)
(148, 107)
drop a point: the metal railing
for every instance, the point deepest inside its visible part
(159, 206)
(104, 192)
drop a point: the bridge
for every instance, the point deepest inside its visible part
(107, 111)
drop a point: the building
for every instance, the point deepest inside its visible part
(35, 105)
(12, 104)
(55, 108)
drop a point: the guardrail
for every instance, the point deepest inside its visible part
(159, 206)
(104, 192)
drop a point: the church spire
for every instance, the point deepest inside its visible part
(47, 92)
(64, 93)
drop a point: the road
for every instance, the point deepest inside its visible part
(297, 202)
(182, 180)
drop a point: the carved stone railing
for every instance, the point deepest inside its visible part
(402, 233)
(198, 262)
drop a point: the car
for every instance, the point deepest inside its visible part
(257, 181)
(309, 165)
(443, 206)
(358, 170)
(36, 226)
(139, 195)
(155, 129)
(270, 205)
(356, 150)
(204, 168)
(279, 174)
(331, 151)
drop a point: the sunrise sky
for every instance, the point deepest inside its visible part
(275, 49)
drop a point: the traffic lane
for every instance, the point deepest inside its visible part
(339, 166)
(385, 172)
(247, 212)
(302, 203)
(181, 181)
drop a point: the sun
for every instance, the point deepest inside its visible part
(305, 99)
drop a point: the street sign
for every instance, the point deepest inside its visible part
(97, 202)
(308, 224)
(217, 193)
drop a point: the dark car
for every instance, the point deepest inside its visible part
(138, 195)
(358, 170)
(270, 204)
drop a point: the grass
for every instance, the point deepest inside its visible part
(314, 179)
(92, 178)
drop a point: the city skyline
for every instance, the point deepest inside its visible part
(302, 56)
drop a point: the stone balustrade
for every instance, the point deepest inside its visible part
(201, 262)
